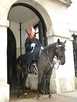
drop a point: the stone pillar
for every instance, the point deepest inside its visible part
(62, 79)
(4, 87)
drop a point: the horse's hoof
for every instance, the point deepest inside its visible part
(18, 95)
(49, 96)
(38, 96)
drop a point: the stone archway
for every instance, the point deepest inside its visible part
(4, 24)
(39, 16)
(39, 8)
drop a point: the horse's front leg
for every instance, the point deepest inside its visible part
(49, 90)
(48, 81)
(39, 84)
(49, 86)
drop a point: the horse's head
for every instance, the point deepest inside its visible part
(60, 51)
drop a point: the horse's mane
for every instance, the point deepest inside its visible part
(53, 45)
(50, 46)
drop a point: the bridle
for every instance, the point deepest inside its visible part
(55, 59)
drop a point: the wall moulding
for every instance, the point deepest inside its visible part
(66, 2)
(4, 23)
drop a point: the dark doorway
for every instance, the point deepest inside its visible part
(11, 56)
(41, 33)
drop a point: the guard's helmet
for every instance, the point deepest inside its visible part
(31, 30)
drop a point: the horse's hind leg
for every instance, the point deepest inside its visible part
(38, 91)
(18, 83)
(25, 74)
(39, 84)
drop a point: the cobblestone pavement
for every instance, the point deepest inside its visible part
(67, 97)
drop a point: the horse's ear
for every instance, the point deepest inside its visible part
(58, 41)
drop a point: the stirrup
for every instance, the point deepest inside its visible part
(35, 68)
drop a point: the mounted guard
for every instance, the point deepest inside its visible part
(32, 49)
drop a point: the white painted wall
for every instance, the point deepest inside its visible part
(58, 16)
(72, 16)
(4, 87)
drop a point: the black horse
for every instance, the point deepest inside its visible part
(45, 65)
